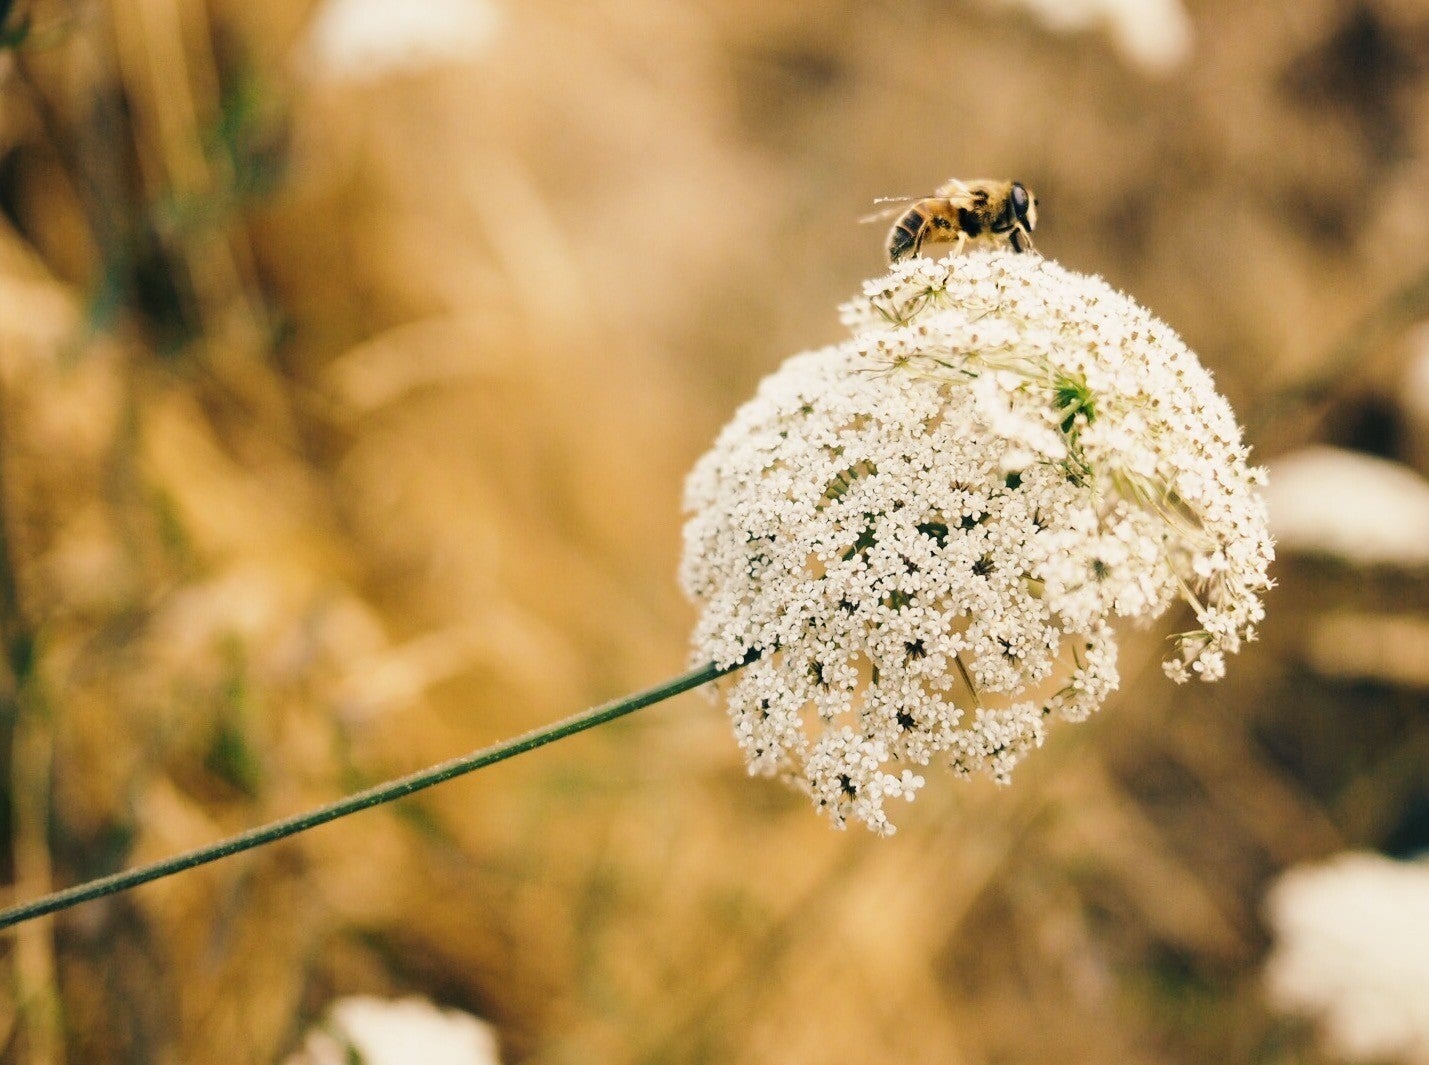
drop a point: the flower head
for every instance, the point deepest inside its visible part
(927, 532)
(366, 40)
(1352, 949)
(1380, 516)
(374, 1031)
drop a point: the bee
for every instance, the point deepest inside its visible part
(960, 212)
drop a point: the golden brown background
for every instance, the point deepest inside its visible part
(342, 428)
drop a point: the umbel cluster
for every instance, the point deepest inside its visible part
(928, 533)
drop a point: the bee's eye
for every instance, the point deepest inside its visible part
(1020, 200)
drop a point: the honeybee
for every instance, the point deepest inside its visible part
(963, 212)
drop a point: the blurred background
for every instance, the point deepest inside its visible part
(351, 357)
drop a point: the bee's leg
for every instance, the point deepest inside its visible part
(1021, 240)
(959, 242)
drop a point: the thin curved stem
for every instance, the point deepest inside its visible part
(374, 796)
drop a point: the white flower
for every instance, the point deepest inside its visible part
(1155, 34)
(1366, 510)
(365, 40)
(926, 533)
(361, 1030)
(1352, 948)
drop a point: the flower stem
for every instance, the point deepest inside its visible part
(373, 796)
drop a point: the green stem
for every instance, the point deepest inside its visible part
(374, 796)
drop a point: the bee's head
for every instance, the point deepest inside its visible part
(1024, 205)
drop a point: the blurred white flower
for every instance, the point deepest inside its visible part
(928, 531)
(1352, 949)
(1414, 397)
(365, 40)
(1155, 34)
(361, 1030)
(1365, 510)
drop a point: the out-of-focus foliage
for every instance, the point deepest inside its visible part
(343, 416)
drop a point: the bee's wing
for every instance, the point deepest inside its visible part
(900, 204)
(954, 190)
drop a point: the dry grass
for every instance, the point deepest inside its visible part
(342, 429)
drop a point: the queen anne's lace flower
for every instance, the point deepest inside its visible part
(373, 1031)
(925, 533)
(1381, 511)
(367, 40)
(1352, 949)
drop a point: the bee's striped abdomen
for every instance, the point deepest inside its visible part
(904, 235)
